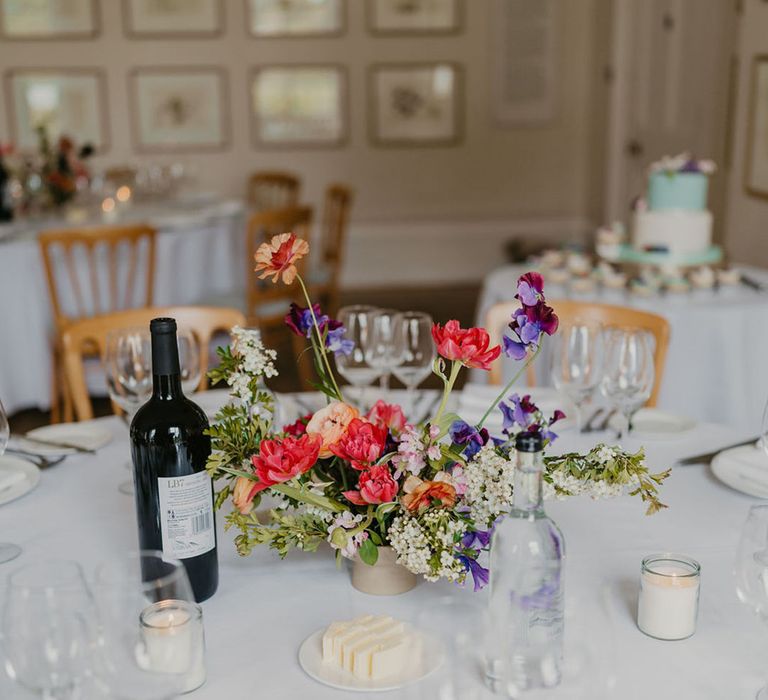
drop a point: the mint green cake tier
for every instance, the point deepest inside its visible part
(677, 191)
(711, 256)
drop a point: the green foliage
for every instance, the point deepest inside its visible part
(284, 531)
(368, 552)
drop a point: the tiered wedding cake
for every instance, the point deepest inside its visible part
(673, 219)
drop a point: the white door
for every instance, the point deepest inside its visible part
(670, 92)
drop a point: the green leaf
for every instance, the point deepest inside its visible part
(368, 552)
(375, 538)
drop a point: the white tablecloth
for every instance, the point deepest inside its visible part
(716, 367)
(199, 256)
(265, 607)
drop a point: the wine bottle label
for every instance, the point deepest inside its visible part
(186, 515)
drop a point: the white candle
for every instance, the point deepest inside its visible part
(174, 641)
(669, 596)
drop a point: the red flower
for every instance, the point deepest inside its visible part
(279, 257)
(375, 486)
(362, 444)
(299, 427)
(284, 459)
(387, 415)
(468, 346)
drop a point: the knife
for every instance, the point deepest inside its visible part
(707, 457)
(56, 443)
(754, 284)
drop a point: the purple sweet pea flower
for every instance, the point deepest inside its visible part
(528, 323)
(530, 289)
(337, 343)
(481, 537)
(480, 575)
(463, 433)
(299, 319)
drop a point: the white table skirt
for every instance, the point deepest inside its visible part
(197, 258)
(265, 607)
(716, 368)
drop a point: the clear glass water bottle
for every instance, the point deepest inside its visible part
(525, 622)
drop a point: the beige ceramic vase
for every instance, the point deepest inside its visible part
(385, 577)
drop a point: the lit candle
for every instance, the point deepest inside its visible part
(108, 209)
(123, 194)
(669, 596)
(172, 631)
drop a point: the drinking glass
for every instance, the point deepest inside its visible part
(151, 630)
(415, 349)
(49, 631)
(189, 360)
(751, 568)
(8, 550)
(355, 367)
(577, 363)
(628, 372)
(380, 349)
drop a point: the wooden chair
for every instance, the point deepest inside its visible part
(571, 312)
(273, 190)
(81, 337)
(85, 277)
(324, 277)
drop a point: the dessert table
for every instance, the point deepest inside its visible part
(198, 256)
(715, 369)
(265, 607)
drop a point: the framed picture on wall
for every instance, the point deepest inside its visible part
(415, 16)
(299, 105)
(756, 160)
(179, 109)
(66, 101)
(48, 19)
(171, 18)
(286, 18)
(416, 104)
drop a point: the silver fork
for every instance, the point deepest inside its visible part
(40, 460)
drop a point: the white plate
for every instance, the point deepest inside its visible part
(653, 424)
(18, 489)
(744, 469)
(87, 435)
(421, 665)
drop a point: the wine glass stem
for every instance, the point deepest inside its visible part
(578, 405)
(384, 382)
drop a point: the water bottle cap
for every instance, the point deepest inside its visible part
(529, 442)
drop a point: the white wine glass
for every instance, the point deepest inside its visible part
(49, 629)
(415, 351)
(628, 372)
(8, 550)
(380, 349)
(355, 367)
(577, 363)
(151, 631)
(189, 360)
(751, 569)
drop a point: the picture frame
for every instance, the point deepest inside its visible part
(414, 17)
(179, 109)
(416, 104)
(295, 18)
(169, 19)
(299, 106)
(26, 20)
(70, 101)
(756, 154)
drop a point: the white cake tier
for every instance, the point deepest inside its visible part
(679, 232)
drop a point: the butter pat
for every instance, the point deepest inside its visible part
(369, 647)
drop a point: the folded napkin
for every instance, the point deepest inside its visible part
(748, 461)
(10, 478)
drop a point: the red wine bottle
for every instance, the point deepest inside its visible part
(174, 494)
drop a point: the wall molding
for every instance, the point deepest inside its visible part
(434, 253)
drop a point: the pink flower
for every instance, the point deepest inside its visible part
(387, 415)
(362, 444)
(468, 346)
(375, 486)
(330, 423)
(279, 257)
(282, 460)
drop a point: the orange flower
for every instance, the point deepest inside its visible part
(243, 493)
(331, 423)
(428, 493)
(279, 257)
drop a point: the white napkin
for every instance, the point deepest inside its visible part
(10, 478)
(749, 462)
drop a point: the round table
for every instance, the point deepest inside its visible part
(198, 257)
(265, 607)
(716, 368)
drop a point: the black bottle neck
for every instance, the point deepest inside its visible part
(166, 371)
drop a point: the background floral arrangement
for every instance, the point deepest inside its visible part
(432, 491)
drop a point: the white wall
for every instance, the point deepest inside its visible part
(746, 229)
(536, 179)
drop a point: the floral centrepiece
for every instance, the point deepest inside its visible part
(432, 491)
